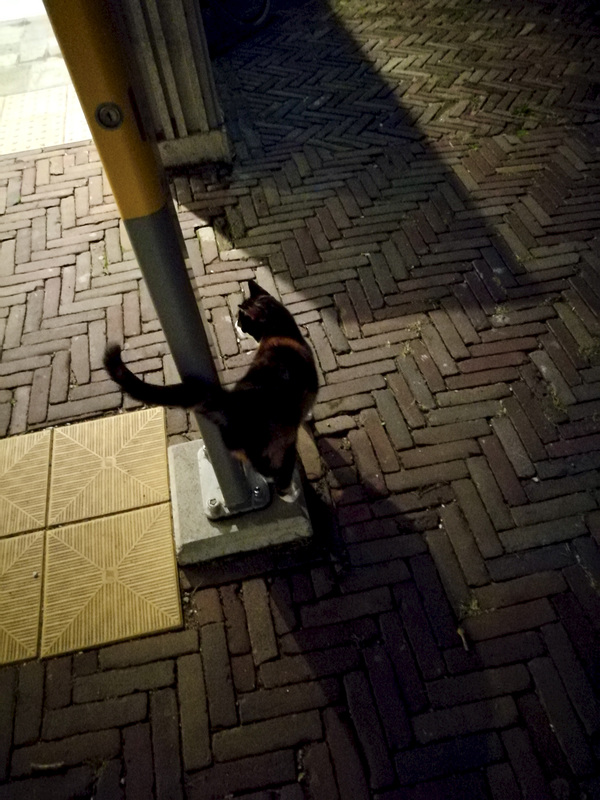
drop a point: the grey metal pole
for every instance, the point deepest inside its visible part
(156, 244)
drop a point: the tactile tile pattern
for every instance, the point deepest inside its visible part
(20, 592)
(108, 465)
(108, 579)
(24, 462)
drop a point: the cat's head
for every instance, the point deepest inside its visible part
(258, 312)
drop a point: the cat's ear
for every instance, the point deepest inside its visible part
(255, 289)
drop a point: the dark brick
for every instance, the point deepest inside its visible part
(417, 627)
(368, 728)
(294, 669)
(85, 663)
(238, 639)
(137, 754)
(206, 607)
(28, 712)
(434, 760)
(142, 651)
(268, 735)
(451, 575)
(308, 639)
(123, 681)
(494, 652)
(86, 747)
(359, 579)
(509, 620)
(266, 703)
(58, 682)
(217, 673)
(260, 622)
(165, 745)
(567, 728)
(367, 464)
(464, 545)
(381, 444)
(504, 473)
(319, 777)
(581, 582)
(270, 769)
(490, 493)
(477, 518)
(439, 613)
(347, 764)
(338, 609)
(426, 476)
(436, 453)
(393, 420)
(84, 717)
(282, 608)
(8, 691)
(519, 590)
(72, 783)
(478, 685)
(463, 719)
(502, 782)
(524, 563)
(525, 764)
(243, 673)
(387, 697)
(542, 735)
(544, 533)
(108, 785)
(193, 712)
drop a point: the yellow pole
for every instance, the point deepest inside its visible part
(92, 45)
(94, 49)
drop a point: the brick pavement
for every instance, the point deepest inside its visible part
(420, 184)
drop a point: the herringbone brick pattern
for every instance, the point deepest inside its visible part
(420, 184)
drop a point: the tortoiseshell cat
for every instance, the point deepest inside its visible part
(259, 418)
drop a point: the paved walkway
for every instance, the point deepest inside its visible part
(38, 105)
(420, 182)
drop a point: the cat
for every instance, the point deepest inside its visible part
(259, 418)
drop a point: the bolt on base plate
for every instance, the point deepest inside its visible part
(212, 497)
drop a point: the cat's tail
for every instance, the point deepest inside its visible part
(193, 393)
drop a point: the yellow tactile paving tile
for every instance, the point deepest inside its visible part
(24, 464)
(108, 465)
(20, 592)
(109, 579)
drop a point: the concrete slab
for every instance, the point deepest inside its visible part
(198, 538)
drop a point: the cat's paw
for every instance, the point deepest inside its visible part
(291, 494)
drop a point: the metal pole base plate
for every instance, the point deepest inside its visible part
(213, 501)
(199, 538)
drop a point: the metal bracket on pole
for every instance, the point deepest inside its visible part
(213, 501)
